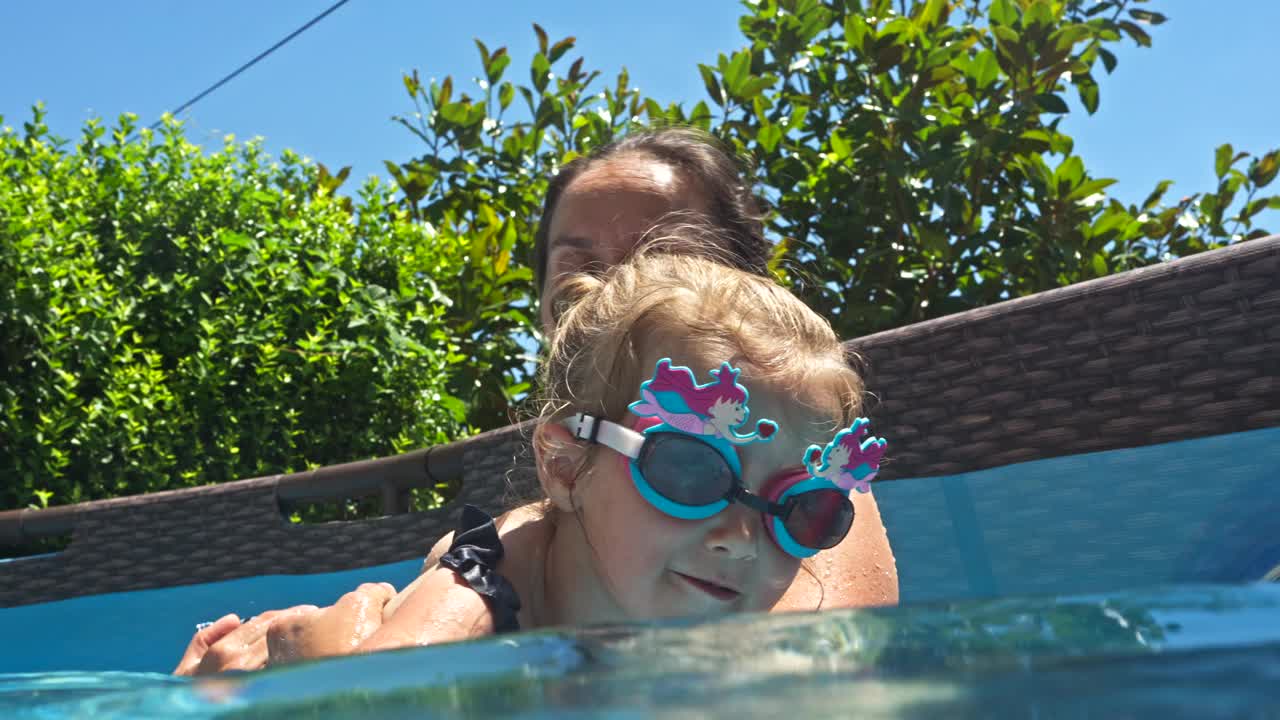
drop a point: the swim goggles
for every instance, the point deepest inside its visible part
(684, 462)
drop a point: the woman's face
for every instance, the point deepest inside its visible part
(605, 211)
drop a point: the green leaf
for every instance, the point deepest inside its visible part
(984, 69)
(1154, 198)
(44, 496)
(1065, 38)
(760, 106)
(856, 30)
(1254, 207)
(455, 113)
(497, 65)
(1148, 17)
(1110, 220)
(1003, 12)
(1264, 169)
(1038, 14)
(457, 409)
(769, 137)
(1222, 159)
(712, 85)
(1070, 172)
(505, 94)
(539, 70)
(934, 241)
(412, 84)
(559, 49)
(235, 240)
(1088, 91)
(1089, 187)
(1139, 35)
(700, 116)
(932, 12)
(1108, 59)
(840, 146)
(1099, 263)
(1051, 103)
(542, 38)
(735, 74)
(756, 85)
(798, 115)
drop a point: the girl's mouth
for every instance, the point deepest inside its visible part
(719, 592)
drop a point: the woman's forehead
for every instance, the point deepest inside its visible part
(634, 173)
(622, 196)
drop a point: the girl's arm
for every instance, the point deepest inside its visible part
(438, 607)
(433, 561)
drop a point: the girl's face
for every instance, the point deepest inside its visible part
(647, 564)
(605, 211)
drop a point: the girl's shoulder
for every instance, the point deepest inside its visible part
(525, 533)
(522, 531)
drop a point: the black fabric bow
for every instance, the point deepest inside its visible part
(474, 554)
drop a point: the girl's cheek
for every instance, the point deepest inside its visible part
(782, 570)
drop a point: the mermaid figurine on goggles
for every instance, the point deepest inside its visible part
(685, 465)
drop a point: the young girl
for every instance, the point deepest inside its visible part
(663, 497)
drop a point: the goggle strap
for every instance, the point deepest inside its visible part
(760, 505)
(610, 434)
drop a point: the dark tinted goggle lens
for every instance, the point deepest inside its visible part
(685, 470)
(819, 519)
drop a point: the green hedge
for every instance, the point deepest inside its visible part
(170, 317)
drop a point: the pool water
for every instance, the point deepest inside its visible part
(1012, 581)
(1172, 652)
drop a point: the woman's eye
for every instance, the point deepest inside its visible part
(579, 261)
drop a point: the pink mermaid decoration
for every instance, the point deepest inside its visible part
(848, 461)
(714, 409)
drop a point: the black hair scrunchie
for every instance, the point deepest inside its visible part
(474, 554)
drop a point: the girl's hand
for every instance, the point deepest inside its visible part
(230, 644)
(335, 630)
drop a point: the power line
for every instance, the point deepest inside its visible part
(254, 61)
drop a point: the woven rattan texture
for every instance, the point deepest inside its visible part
(237, 530)
(1178, 351)
(1186, 349)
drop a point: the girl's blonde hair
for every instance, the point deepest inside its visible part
(596, 359)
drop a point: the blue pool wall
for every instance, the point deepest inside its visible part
(1201, 510)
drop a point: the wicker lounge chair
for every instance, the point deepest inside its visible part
(1187, 349)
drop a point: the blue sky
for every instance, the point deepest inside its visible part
(330, 93)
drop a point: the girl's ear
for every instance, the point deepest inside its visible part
(557, 456)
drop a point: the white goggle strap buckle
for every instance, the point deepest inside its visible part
(610, 434)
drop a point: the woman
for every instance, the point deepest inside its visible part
(596, 210)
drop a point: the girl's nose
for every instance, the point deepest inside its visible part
(735, 533)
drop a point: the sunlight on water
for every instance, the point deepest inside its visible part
(1178, 652)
